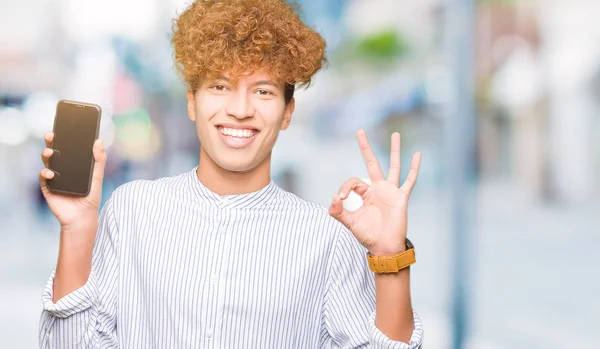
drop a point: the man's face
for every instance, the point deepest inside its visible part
(238, 124)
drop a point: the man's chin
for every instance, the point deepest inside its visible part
(240, 167)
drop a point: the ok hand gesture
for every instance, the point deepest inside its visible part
(381, 223)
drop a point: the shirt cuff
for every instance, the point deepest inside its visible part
(77, 301)
(380, 340)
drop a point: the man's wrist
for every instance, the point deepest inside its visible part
(388, 250)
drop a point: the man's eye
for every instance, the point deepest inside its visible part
(219, 87)
(264, 92)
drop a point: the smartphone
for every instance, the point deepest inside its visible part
(76, 128)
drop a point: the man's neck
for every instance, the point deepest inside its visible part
(223, 182)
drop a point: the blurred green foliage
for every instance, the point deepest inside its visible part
(383, 45)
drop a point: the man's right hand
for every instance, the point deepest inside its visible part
(74, 211)
(78, 217)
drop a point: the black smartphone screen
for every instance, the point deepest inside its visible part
(75, 130)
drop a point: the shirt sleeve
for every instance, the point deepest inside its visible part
(349, 309)
(85, 318)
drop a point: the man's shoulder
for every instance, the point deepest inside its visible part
(296, 205)
(144, 189)
(293, 201)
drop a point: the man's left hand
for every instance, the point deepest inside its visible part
(380, 224)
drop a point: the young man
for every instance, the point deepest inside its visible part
(221, 256)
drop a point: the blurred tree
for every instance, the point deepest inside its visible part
(386, 45)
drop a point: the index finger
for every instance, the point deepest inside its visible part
(373, 166)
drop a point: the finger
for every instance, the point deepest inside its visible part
(353, 184)
(44, 175)
(48, 138)
(47, 174)
(373, 166)
(46, 154)
(394, 171)
(99, 165)
(337, 211)
(411, 178)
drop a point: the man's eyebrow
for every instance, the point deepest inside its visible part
(256, 83)
(264, 82)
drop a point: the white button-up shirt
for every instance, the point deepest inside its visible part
(177, 266)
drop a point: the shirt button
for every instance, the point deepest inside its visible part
(209, 333)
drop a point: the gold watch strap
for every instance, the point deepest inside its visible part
(391, 264)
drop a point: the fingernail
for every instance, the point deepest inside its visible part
(101, 143)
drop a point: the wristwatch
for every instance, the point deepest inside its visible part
(392, 264)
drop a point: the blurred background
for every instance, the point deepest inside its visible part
(501, 97)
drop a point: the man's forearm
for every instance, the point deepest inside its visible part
(394, 315)
(74, 259)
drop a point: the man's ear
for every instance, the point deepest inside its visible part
(287, 114)
(191, 107)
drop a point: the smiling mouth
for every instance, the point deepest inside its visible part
(237, 133)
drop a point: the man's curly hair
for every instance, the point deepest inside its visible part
(236, 37)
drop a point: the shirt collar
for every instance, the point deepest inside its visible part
(248, 200)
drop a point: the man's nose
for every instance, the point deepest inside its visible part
(240, 105)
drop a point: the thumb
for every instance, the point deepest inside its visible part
(337, 211)
(99, 164)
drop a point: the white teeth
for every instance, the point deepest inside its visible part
(236, 133)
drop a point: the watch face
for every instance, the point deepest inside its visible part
(409, 244)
